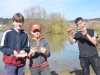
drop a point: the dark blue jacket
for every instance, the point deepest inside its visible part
(13, 40)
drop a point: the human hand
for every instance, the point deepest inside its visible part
(70, 31)
(33, 50)
(84, 31)
(22, 52)
(15, 53)
(43, 50)
(22, 55)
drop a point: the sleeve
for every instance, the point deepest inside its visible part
(95, 34)
(47, 46)
(26, 45)
(4, 45)
(76, 37)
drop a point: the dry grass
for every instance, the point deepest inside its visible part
(77, 72)
(98, 44)
(27, 73)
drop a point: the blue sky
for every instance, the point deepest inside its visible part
(70, 9)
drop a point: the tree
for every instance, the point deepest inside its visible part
(50, 23)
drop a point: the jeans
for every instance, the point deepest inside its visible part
(40, 71)
(94, 61)
(14, 70)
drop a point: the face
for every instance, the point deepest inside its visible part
(36, 33)
(18, 25)
(80, 23)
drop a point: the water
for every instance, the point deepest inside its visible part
(1, 62)
(63, 55)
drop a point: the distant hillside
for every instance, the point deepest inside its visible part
(93, 19)
(7, 20)
(88, 19)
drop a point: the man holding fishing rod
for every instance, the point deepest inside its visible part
(86, 39)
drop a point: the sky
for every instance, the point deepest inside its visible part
(70, 9)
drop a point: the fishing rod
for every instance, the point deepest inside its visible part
(71, 51)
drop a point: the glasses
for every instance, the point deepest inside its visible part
(36, 31)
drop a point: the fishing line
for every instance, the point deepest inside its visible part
(71, 51)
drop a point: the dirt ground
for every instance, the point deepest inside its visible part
(67, 72)
(76, 72)
(65, 68)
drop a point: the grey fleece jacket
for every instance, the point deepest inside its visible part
(39, 57)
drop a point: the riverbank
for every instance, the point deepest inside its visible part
(77, 71)
(98, 44)
(67, 72)
(65, 68)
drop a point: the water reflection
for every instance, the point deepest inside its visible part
(63, 55)
(57, 42)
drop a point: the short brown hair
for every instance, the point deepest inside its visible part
(18, 17)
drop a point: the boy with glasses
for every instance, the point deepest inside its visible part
(39, 52)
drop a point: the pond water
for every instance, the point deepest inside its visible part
(63, 55)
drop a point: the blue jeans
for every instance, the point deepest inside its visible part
(14, 70)
(94, 61)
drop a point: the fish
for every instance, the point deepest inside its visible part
(78, 28)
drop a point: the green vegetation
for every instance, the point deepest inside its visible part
(56, 28)
(50, 23)
(56, 41)
(96, 28)
(4, 20)
(2, 30)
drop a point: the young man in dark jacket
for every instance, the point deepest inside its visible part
(86, 39)
(14, 46)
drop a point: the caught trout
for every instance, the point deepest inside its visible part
(78, 28)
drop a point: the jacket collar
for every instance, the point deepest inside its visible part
(38, 39)
(22, 30)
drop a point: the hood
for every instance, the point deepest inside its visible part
(22, 30)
